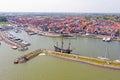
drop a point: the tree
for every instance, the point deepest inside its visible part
(3, 19)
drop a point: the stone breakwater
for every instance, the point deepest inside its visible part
(72, 57)
(84, 59)
(28, 56)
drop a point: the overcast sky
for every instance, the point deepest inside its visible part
(102, 6)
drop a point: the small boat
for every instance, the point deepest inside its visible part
(105, 55)
(23, 48)
(118, 61)
(14, 47)
(87, 34)
(103, 58)
(25, 43)
(107, 39)
(104, 39)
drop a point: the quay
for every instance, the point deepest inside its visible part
(27, 57)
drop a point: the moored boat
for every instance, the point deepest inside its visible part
(57, 49)
(14, 47)
(103, 58)
(106, 55)
(118, 61)
(107, 39)
(104, 39)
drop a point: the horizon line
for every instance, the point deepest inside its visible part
(61, 12)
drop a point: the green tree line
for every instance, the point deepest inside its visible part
(3, 19)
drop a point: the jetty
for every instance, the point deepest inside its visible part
(83, 59)
(28, 56)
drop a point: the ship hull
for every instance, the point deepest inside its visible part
(57, 49)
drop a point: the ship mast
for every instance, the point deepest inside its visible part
(69, 45)
(62, 44)
(57, 44)
(107, 52)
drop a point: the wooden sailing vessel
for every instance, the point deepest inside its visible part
(57, 49)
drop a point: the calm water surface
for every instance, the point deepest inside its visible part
(50, 68)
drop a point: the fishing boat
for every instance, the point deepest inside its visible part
(57, 49)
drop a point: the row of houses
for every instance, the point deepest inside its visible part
(69, 24)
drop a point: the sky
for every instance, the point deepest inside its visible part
(85, 6)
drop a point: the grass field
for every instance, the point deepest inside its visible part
(4, 22)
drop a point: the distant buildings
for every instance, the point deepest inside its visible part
(103, 25)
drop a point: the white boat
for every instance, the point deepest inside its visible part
(87, 34)
(104, 39)
(103, 58)
(14, 47)
(108, 39)
(25, 43)
(42, 54)
(118, 61)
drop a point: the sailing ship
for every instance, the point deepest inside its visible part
(57, 49)
(106, 54)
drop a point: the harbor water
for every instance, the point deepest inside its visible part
(51, 68)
